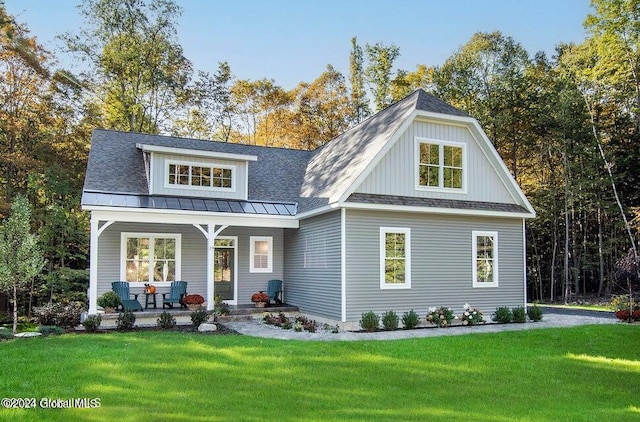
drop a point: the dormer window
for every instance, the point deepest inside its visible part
(440, 165)
(200, 176)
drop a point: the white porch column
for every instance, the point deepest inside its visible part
(210, 265)
(93, 266)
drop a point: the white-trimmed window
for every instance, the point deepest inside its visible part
(261, 254)
(485, 258)
(147, 258)
(200, 176)
(440, 165)
(395, 258)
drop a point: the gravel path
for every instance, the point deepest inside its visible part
(259, 329)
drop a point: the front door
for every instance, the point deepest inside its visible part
(224, 258)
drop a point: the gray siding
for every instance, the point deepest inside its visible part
(395, 174)
(315, 287)
(441, 263)
(248, 282)
(159, 177)
(194, 257)
(194, 254)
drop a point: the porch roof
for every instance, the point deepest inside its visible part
(164, 202)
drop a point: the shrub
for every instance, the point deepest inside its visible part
(222, 309)
(66, 316)
(471, 316)
(503, 315)
(49, 330)
(370, 321)
(390, 320)
(535, 313)
(307, 324)
(410, 320)
(5, 333)
(166, 321)
(198, 317)
(126, 320)
(109, 299)
(441, 316)
(519, 314)
(91, 323)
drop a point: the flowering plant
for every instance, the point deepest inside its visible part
(441, 316)
(193, 300)
(260, 297)
(471, 316)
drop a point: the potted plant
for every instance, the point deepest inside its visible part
(109, 301)
(260, 299)
(193, 301)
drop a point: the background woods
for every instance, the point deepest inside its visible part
(567, 126)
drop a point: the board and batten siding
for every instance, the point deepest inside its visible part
(160, 176)
(395, 174)
(248, 282)
(312, 266)
(194, 255)
(441, 263)
(194, 258)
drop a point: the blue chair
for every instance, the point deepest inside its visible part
(274, 290)
(122, 290)
(177, 291)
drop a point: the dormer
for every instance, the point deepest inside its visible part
(196, 173)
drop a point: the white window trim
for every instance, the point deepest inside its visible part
(407, 259)
(252, 249)
(474, 258)
(233, 168)
(441, 144)
(123, 254)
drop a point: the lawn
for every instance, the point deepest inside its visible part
(588, 373)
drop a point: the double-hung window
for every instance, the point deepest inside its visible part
(485, 259)
(395, 258)
(147, 258)
(261, 254)
(440, 165)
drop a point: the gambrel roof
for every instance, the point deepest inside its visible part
(313, 180)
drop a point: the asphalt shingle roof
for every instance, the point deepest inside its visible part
(310, 179)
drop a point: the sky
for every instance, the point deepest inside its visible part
(292, 41)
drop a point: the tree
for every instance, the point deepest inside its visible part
(20, 256)
(359, 100)
(378, 72)
(139, 71)
(406, 82)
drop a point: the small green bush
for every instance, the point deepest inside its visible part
(5, 333)
(410, 320)
(390, 320)
(535, 313)
(91, 323)
(109, 299)
(370, 321)
(50, 330)
(198, 317)
(519, 314)
(126, 320)
(503, 315)
(166, 321)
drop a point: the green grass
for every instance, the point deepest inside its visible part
(599, 308)
(589, 373)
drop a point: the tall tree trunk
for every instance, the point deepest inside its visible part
(600, 254)
(15, 309)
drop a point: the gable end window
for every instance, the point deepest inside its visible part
(200, 176)
(440, 165)
(395, 258)
(485, 259)
(261, 254)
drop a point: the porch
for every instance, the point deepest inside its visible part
(246, 312)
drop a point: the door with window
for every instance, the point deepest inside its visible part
(224, 268)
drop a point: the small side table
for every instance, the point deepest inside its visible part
(150, 299)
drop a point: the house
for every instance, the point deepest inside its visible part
(411, 208)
